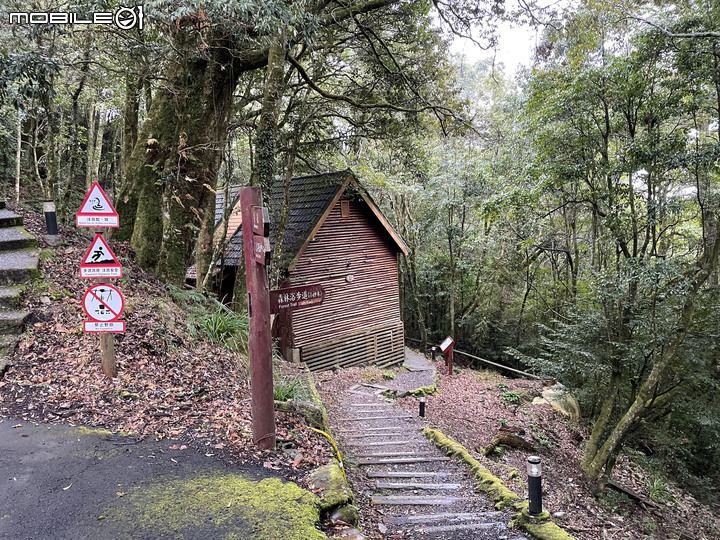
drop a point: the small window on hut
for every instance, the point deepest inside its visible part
(345, 208)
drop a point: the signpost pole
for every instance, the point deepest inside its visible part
(447, 347)
(107, 344)
(260, 340)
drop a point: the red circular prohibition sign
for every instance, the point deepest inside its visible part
(91, 291)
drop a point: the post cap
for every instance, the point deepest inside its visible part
(534, 466)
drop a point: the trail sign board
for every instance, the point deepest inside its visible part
(447, 343)
(292, 298)
(103, 302)
(260, 220)
(96, 210)
(100, 261)
(95, 327)
(261, 246)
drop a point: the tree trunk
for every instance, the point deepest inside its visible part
(171, 174)
(645, 396)
(91, 145)
(18, 157)
(130, 119)
(263, 174)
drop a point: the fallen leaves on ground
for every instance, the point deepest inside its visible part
(469, 408)
(169, 384)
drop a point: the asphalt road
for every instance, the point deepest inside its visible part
(59, 481)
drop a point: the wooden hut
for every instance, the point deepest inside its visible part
(335, 236)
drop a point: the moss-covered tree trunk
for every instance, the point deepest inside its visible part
(266, 143)
(171, 173)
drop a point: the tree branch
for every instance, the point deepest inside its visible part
(357, 104)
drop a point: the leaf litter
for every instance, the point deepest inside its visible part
(472, 407)
(170, 385)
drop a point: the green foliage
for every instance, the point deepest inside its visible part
(286, 389)
(389, 374)
(614, 501)
(208, 319)
(658, 490)
(224, 327)
(509, 398)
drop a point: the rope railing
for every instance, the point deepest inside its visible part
(490, 363)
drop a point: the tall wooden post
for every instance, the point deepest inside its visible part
(260, 340)
(108, 362)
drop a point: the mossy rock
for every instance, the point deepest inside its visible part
(314, 415)
(424, 391)
(335, 489)
(539, 525)
(562, 400)
(347, 513)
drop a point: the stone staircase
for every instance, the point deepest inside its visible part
(18, 264)
(416, 490)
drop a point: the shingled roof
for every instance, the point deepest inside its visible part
(220, 202)
(311, 198)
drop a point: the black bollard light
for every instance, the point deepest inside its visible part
(422, 406)
(50, 217)
(433, 350)
(534, 470)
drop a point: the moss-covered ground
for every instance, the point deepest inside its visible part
(225, 506)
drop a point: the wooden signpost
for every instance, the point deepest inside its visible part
(102, 303)
(255, 227)
(447, 347)
(293, 298)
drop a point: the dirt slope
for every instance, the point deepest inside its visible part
(170, 385)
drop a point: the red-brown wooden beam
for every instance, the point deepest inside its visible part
(260, 339)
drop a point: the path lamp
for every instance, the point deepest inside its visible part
(534, 470)
(422, 406)
(50, 217)
(433, 350)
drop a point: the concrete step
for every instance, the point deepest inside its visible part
(418, 500)
(378, 417)
(13, 322)
(408, 474)
(407, 453)
(398, 461)
(385, 443)
(378, 430)
(416, 485)
(10, 219)
(10, 297)
(442, 516)
(361, 405)
(12, 238)
(18, 266)
(374, 436)
(494, 527)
